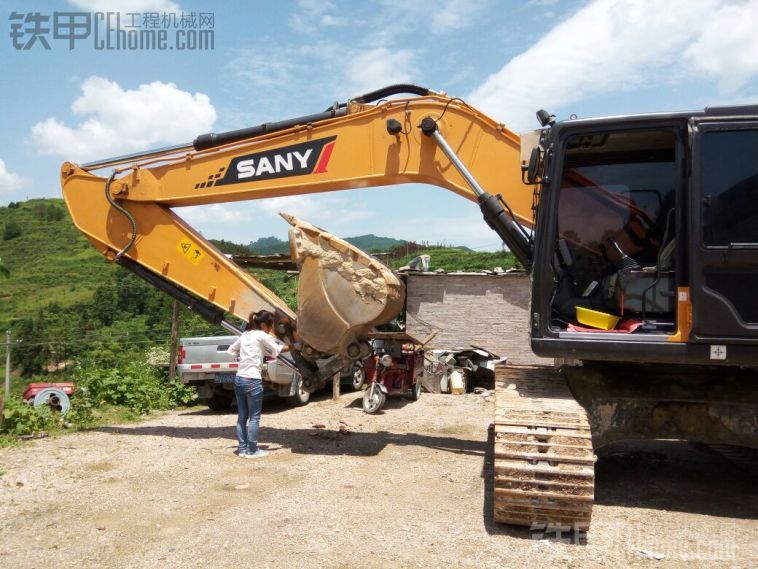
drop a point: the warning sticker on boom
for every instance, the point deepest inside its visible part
(190, 251)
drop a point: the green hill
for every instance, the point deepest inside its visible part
(64, 303)
(461, 259)
(369, 243)
(269, 246)
(47, 258)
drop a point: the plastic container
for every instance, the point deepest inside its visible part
(457, 382)
(596, 319)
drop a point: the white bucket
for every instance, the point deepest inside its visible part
(457, 382)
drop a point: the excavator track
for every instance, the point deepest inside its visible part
(544, 466)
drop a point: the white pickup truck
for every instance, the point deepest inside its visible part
(205, 363)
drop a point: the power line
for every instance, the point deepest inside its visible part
(59, 343)
(121, 338)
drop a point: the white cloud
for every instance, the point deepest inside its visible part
(217, 213)
(453, 15)
(443, 16)
(115, 120)
(309, 15)
(351, 213)
(9, 181)
(377, 67)
(321, 210)
(624, 45)
(304, 207)
(247, 221)
(126, 6)
(328, 20)
(322, 72)
(277, 67)
(542, 3)
(727, 49)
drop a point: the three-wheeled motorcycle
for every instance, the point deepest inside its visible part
(395, 367)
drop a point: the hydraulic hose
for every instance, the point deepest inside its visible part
(128, 215)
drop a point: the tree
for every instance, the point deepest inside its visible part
(12, 230)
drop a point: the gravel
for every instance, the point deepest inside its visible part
(407, 487)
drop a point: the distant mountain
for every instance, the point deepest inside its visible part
(373, 242)
(368, 243)
(230, 248)
(269, 246)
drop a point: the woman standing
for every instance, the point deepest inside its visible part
(251, 348)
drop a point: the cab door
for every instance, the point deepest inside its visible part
(724, 230)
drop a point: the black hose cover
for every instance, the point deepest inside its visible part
(211, 140)
(390, 90)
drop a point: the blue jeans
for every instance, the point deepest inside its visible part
(249, 394)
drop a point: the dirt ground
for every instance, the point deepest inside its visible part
(406, 488)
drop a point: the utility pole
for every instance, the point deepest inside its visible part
(7, 391)
(7, 363)
(174, 339)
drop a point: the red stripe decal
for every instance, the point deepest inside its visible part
(215, 366)
(234, 365)
(325, 156)
(196, 366)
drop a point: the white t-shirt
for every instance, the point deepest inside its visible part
(251, 348)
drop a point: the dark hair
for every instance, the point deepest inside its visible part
(258, 318)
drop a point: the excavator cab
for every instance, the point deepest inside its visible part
(627, 263)
(615, 230)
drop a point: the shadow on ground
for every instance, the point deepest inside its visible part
(658, 475)
(314, 441)
(674, 475)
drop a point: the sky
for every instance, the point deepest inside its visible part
(275, 60)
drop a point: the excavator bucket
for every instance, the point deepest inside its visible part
(342, 291)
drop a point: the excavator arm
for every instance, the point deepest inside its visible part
(369, 141)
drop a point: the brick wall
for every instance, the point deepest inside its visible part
(486, 310)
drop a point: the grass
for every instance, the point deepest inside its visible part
(111, 415)
(50, 261)
(18, 383)
(453, 259)
(282, 284)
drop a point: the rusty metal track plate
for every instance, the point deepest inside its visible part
(543, 458)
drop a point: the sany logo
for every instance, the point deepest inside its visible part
(310, 157)
(248, 168)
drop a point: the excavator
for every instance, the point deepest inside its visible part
(640, 234)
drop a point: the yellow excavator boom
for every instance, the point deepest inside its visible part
(367, 142)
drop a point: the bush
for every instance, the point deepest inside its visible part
(23, 419)
(137, 386)
(12, 230)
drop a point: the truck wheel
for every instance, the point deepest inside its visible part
(220, 401)
(357, 379)
(301, 396)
